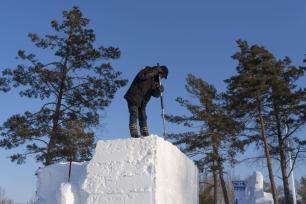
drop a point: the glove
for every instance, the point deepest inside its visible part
(156, 92)
(163, 71)
(161, 88)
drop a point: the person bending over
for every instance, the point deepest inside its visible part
(145, 84)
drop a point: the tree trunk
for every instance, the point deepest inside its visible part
(215, 183)
(223, 184)
(54, 133)
(267, 153)
(220, 168)
(284, 174)
(282, 155)
(56, 118)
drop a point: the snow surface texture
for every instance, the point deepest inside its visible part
(124, 171)
(254, 190)
(65, 195)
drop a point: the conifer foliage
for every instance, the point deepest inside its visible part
(247, 96)
(72, 87)
(209, 141)
(264, 96)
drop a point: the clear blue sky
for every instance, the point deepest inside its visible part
(188, 36)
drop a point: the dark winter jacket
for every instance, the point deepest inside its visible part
(145, 85)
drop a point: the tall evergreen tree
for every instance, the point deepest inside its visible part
(209, 143)
(287, 114)
(264, 92)
(73, 87)
(247, 95)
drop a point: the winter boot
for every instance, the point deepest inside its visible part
(144, 131)
(133, 130)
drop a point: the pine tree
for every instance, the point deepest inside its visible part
(73, 87)
(269, 99)
(287, 104)
(247, 95)
(209, 144)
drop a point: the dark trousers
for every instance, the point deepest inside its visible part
(138, 113)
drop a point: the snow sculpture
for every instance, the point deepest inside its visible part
(124, 171)
(251, 191)
(254, 190)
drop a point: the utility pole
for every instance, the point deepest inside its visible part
(291, 169)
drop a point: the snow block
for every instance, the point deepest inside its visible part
(124, 171)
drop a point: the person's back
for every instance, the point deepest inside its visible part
(141, 86)
(144, 85)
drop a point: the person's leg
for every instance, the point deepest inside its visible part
(133, 110)
(143, 120)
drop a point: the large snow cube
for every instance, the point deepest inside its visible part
(134, 171)
(137, 171)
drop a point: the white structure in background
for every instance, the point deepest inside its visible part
(239, 188)
(251, 191)
(124, 171)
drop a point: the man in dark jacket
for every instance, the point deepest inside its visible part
(145, 85)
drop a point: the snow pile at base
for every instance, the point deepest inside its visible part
(65, 195)
(254, 190)
(124, 171)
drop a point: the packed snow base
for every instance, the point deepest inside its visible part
(124, 171)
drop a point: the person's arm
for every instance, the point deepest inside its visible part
(156, 92)
(148, 72)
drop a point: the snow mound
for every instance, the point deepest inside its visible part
(124, 171)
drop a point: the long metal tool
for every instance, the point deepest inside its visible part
(69, 173)
(162, 106)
